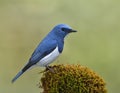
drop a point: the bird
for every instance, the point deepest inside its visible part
(48, 50)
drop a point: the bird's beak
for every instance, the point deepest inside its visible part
(71, 30)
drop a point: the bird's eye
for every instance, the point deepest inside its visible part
(63, 29)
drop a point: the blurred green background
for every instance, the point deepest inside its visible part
(23, 24)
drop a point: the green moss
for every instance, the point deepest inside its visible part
(72, 79)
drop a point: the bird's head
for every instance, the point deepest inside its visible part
(62, 30)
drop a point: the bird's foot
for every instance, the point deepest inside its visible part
(50, 69)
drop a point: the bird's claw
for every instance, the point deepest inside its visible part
(50, 69)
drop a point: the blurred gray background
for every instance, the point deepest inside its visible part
(23, 24)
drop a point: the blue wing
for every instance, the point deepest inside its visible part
(43, 49)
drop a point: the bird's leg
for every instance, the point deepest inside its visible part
(50, 69)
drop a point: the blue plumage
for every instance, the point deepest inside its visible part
(49, 48)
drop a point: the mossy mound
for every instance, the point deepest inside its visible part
(72, 79)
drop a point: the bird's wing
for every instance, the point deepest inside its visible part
(43, 49)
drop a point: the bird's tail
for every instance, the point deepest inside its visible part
(26, 67)
(17, 76)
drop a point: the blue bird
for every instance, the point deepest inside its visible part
(48, 50)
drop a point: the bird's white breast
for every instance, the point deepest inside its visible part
(49, 58)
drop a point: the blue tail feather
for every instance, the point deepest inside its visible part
(17, 76)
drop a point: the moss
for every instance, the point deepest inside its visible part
(72, 79)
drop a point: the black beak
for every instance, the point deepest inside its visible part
(71, 30)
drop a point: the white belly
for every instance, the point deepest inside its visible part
(49, 58)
